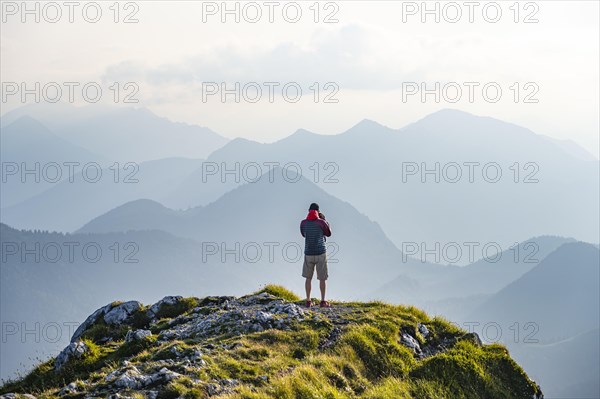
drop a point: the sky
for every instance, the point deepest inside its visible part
(530, 63)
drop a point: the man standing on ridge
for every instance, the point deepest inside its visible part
(314, 229)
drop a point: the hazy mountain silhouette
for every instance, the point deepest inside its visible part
(28, 142)
(560, 295)
(367, 161)
(574, 149)
(457, 291)
(56, 116)
(124, 134)
(567, 369)
(67, 205)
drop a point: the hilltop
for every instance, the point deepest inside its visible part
(268, 345)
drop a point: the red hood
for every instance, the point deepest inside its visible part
(312, 215)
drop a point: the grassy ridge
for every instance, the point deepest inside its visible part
(350, 351)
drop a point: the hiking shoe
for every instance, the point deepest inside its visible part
(309, 304)
(325, 304)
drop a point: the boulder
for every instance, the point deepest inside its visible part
(132, 378)
(137, 335)
(121, 313)
(168, 300)
(409, 341)
(423, 330)
(91, 320)
(71, 388)
(74, 350)
(113, 313)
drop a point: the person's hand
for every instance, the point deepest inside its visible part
(321, 216)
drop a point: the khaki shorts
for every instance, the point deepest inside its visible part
(320, 261)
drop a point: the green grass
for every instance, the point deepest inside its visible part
(128, 349)
(182, 306)
(280, 292)
(380, 354)
(470, 371)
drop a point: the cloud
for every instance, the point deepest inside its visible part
(345, 56)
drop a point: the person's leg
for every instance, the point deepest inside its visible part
(308, 270)
(307, 287)
(322, 274)
(323, 286)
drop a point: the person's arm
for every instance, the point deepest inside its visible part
(302, 228)
(325, 227)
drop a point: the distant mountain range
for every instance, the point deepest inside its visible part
(568, 368)
(560, 295)
(365, 166)
(373, 167)
(117, 138)
(54, 209)
(473, 282)
(121, 134)
(27, 142)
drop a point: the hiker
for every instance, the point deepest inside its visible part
(314, 229)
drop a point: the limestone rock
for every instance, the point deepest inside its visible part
(73, 350)
(137, 335)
